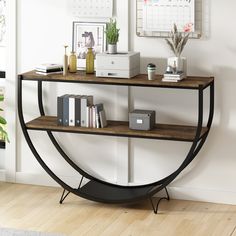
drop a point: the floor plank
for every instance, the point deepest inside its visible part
(37, 208)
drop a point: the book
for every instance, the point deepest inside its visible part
(60, 110)
(77, 110)
(86, 101)
(93, 117)
(98, 108)
(103, 120)
(170, 80)
(88, 112)
(66, 110)
(72, 110)
(48, 66)
(45, 73)
(173, 77)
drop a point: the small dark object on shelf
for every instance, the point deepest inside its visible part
(142, 119)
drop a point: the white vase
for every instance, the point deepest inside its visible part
(178, 63)
(112, 48)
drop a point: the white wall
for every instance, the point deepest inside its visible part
(41, 40)
(210, 177)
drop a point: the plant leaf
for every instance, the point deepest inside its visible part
(2, 121)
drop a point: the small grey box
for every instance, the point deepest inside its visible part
(142, 119)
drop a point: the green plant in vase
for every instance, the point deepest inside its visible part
(177, 42)
(112, 36)
(3, 122)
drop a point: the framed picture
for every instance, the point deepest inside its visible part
(88, 35)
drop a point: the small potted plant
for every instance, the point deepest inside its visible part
(3, 122)
(112, 35)
(177, 43)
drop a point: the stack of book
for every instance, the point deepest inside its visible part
(79, 110)
(170, 77)
(46, 69)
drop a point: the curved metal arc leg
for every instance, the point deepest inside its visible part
(36, 154)
(53, 139)
(190, 156)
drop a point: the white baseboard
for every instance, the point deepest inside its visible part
(181, 193)
(46, 180)
(2, 175)
(43, 179)
(203, 195)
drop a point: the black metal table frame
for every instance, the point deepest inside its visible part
(154, 187)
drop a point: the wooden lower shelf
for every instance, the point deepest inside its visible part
(120, 128)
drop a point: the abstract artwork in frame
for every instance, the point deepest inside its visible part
(88, 35)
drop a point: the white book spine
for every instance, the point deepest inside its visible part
(94, 117)
(87, 121)
(83, 111)
(71, 111)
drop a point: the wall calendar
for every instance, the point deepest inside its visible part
(160, 15)
(92, 8)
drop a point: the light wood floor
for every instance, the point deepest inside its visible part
(36, 208)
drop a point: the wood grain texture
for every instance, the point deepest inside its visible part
(192, 82)
(36, 208)
(120, 128)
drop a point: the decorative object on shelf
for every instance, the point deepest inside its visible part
(65, 62)
(90, 61)
(72, 62)
(173, 77)
(151, 69)
(142, 119)
(177, 43)
(49, 68)
(120, 65)
(88, 35)
(112, 35)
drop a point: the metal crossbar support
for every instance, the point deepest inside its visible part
(155, 208)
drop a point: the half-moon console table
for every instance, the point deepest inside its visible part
(99, 190)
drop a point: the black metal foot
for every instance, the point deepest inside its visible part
(155, 208)
(64, 196)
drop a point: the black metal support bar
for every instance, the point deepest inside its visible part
(155, 208)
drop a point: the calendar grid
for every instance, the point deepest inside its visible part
(159, 32)
(92, 8)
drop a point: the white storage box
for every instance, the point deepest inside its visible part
(120, 65)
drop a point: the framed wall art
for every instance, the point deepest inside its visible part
(88, 35)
